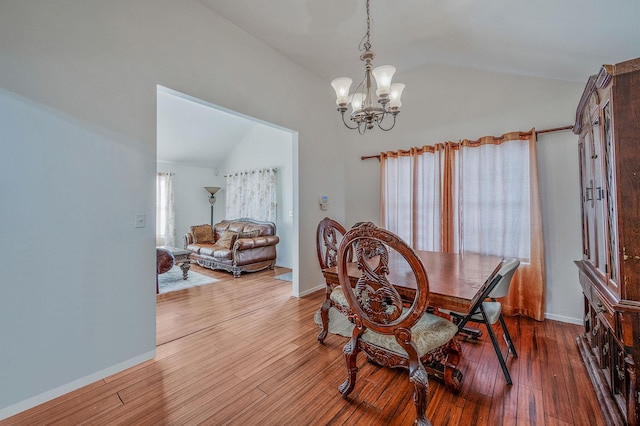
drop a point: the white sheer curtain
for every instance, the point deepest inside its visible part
(165, 211)
(252, 194)
(472, 196)
(493, 200)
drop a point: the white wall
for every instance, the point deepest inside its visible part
(78, 129)
(78, 161)
(268, 147)
(445, 103)
(190, 198)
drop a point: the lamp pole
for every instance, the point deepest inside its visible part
(212, 198)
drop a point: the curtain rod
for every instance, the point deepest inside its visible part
(275, 169)
(555, 129)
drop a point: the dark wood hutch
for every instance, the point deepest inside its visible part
(608, 123)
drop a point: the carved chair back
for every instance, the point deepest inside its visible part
(374, 300)
(328, 237)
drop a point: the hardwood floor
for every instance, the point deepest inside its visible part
(244, 352)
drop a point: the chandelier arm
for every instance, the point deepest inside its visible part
(387, 129)
(345, 123)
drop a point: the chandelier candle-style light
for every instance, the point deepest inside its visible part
(364, 111)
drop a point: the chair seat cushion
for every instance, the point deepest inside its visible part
(337, 296)
(429, 333)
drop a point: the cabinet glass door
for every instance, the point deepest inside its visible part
(610, 195)
(587, 199)
(600, 213)
(585, 204)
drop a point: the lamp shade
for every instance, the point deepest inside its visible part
(396, 94)
(383, 75)
(357, 99)
(341, 86)
(212, 189)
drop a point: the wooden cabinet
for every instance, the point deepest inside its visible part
(608, 125)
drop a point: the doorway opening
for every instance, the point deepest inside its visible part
(201, 142)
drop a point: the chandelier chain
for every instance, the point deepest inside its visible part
(367, 45)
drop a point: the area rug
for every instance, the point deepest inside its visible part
(338, 323)
(172, 280)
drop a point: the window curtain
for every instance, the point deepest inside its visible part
(472, 196)
(252, 194)
(165, 211)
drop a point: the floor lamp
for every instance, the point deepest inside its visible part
(212, 198)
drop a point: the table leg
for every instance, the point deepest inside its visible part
(185, 269)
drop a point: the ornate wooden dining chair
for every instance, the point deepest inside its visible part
(489, 311)
(389, 333)
(328, 237)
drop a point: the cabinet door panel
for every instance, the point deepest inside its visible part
(610, 197)
(599, 186)
(588, 199)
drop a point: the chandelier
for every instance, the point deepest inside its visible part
(365, 113)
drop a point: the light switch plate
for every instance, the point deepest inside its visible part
(141, 220)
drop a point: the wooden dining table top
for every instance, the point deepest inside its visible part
(455, 279)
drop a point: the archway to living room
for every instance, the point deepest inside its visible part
(200, 142)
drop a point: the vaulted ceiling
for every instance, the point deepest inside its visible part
(558, 39)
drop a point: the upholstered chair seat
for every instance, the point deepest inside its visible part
(429, 333)
(337, 297)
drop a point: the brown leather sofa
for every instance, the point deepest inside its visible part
(238, 245)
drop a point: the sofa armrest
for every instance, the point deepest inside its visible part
(249, 243)
(187, 239)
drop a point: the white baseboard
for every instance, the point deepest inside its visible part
(561, 318)
(312, 290)
(76, 384)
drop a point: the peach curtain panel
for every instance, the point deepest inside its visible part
(477, 196)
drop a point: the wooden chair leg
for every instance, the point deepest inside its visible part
(350, 352)
(324, 315)
(452, 376)
(420, 382)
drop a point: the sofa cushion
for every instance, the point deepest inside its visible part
(249, 234)
(218, 230)
(227, 239)
(216, 251)
(236, 226)
(202, 234)
(263, 229)
(193, 248)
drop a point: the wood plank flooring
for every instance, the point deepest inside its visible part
(244, 352)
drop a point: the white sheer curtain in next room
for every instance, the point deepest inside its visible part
(165, 211)
(252, 194)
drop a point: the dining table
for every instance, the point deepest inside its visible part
(455, 279)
